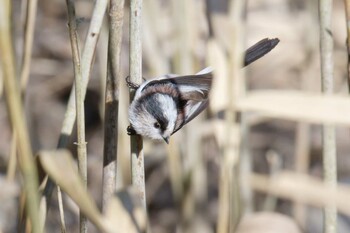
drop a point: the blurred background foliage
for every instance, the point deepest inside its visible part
(175, 40)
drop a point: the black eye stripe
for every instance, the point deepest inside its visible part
(152, 105)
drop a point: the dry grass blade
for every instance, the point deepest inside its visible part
(299, 106)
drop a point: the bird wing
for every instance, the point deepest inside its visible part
(194, 91)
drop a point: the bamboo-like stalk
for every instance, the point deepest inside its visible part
(116, 14)
(79, 98)
(137, 156)
(328, 134)
(86, 66)
(16, 113)
(347, 13)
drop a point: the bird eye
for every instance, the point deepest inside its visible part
(156, 125)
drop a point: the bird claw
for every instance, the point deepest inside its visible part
(131, 131)
(131, 84)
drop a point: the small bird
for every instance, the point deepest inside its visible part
(163, 105)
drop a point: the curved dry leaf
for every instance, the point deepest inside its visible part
(125, 212)
(61, 167)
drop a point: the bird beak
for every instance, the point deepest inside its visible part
(166, 139)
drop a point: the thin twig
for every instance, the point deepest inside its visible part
(81, 144)
(86, 66)
(116, 14)
(16, 113)
(328, 136)
(137, 157)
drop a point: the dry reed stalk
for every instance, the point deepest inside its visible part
(31, 9)
(302, 149)
(295, 105)
(183, 24)
(14, 104)
(137, 156)
(86, 66)
(328, 134)
(275, 166)
(185, 28)
(11, 167)
(229, 191)
(1, 82)
(116, 14)
(347, 13)
(302, 137)
(156, 60)
(245, 158)
(28, 16)
(79, 99)
(217, 58)
(315, 192)
(174, 164)
(245, 167)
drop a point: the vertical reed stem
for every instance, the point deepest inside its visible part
(79, 98)
(231, 148)
(137, 157)
(86, 66)
(328, 137)
(116, 14)
(28, 42)
(347, 13)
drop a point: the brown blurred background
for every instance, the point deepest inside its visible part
(293, 64)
